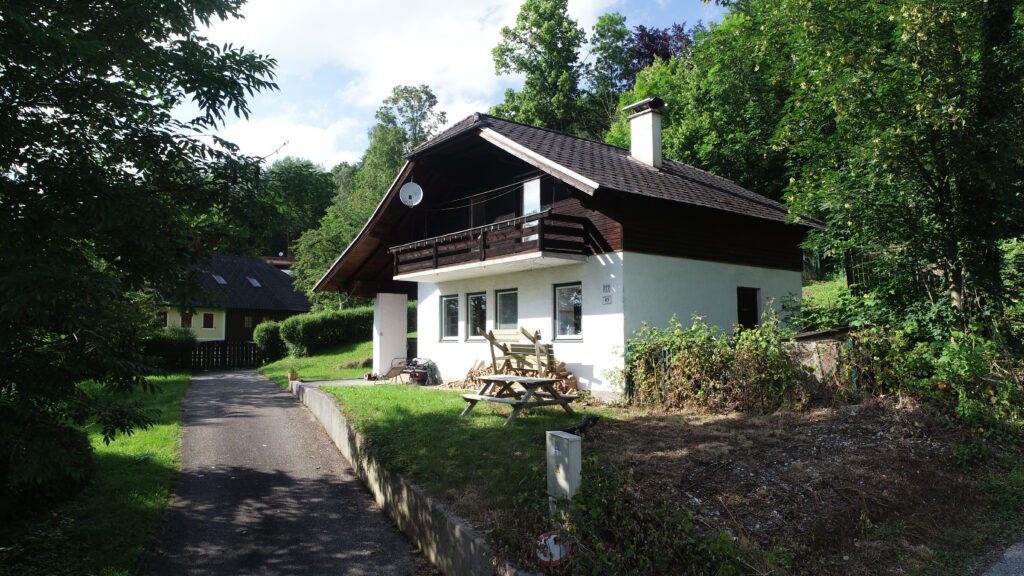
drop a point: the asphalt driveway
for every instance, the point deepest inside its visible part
(264, 491)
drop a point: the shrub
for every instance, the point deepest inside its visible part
(411, 316)
(170, 349)
(308, 334)
(677, 366)
(969, 376)
(269, 343)
(765, 372)
(705, 367)
(41, 463)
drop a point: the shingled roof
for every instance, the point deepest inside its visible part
(275, 291)
(612, 168)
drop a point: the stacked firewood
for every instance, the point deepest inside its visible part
(566, 380)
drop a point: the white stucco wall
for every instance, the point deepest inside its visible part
(590, 357)
(658, 287)
(641, 288)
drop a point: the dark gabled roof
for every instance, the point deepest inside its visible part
(613, 168)
(274, 293)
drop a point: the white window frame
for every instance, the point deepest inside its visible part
(554, 311)
(497, 308)
(442, 336)
(470, 332)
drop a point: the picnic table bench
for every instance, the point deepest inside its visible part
(499, 389)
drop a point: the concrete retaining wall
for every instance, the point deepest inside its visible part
(453, 547)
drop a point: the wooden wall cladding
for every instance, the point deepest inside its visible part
(667, 228)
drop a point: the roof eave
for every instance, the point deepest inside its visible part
(539, 161)
(319, 286)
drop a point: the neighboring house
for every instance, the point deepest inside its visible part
(523, 226)
(237, 294)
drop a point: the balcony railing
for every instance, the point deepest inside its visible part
(542, 232)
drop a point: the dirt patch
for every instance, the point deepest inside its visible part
(856, 490)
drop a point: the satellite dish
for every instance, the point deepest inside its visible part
(411, 193)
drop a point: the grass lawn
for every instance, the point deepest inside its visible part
(107, 528)
(493, 476)
(324, 366)
(419, 433)
(824, 293)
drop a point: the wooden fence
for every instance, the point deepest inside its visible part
(221, 355)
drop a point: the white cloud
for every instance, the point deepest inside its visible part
(337, 60)
(373, 46)
(275, 137)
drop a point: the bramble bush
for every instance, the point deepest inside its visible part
(702, 366)
(969, 376)
(308, 334)
(269, 343)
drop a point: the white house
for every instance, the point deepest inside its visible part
(520, 226)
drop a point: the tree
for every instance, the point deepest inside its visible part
(653, 44)
(412, 109)
(300, 191)
(544, 46)
(725, 101)
(403, 121)
(608, 74)
(908, 121)
(900, 127)
(343, 174)
(102, 191)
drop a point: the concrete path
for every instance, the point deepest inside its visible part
(1012, 563)
(264, 491)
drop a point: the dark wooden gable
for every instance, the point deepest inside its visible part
(453, 176)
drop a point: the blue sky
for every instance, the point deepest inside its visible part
(338, 59)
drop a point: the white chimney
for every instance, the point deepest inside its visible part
(645, 131)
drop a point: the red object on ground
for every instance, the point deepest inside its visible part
(551, 550)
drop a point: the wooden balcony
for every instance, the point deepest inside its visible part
(557, 238)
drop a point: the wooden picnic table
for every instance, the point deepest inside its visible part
(536, 392)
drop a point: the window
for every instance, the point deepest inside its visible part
(531, 204)
(476, 315)
(255, 283)
(531, 197)
(449, 317)
(186, 320)
(568, 310)
(506, 316)
(247, 321)
(747, 303)
(208, 320)
(167, 319)
(220, 279)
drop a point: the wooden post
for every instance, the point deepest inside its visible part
(490, 346)
(540, 234)
(434, 253)
(483, 244)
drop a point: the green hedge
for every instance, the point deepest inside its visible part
(269, 343)
(170, 349)
(308, 334)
